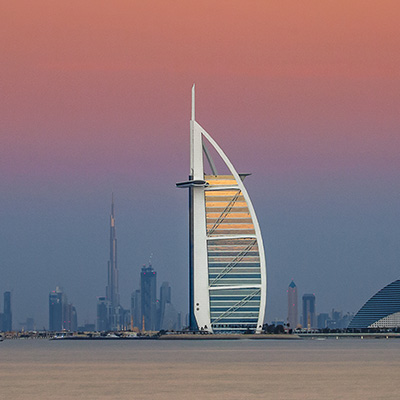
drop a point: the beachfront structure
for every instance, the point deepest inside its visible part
(382, 310)
(227, 269)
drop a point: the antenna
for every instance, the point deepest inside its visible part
(193, 93)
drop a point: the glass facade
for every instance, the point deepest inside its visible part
(383, 304)
(234, 273)
(227, 270)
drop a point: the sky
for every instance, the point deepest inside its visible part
(95, 100)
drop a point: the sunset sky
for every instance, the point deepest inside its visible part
(95, 99)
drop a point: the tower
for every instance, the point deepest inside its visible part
(56, 309)
(227, 268)
(292, 318)
(62, 315)
(136, 308)
(309, 321)
(148, 287)
(103, 314)
(112, 294)
(165, 298)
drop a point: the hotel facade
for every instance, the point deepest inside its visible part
(227, 272)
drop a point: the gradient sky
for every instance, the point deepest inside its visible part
(95, 99)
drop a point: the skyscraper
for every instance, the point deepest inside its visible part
(56, 301)
(309, 321)
(292, 305)
(165, 298)
(112, 287)
(112, 293)
(136, 309)
(148, 291)
(227, 269)
(103, 314)
(70, 319)
(7, 314)
(168, 317)
(62, 315)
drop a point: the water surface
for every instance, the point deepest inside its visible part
(266, 369)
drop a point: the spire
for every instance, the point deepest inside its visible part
(193, 94)
(112, 204)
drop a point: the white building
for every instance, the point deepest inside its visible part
(228, 281)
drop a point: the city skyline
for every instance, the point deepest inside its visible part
(95, 100)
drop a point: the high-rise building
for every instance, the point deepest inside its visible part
(168, 317)
(148, 287)
(112, 293)
(165, 298)
(322, 320)
(136, 309)
(103, 314)
(70, 318)
(62, 315)
(292, 318)
(56, 302)
(309, 321)
(7, 314)
(227, 269)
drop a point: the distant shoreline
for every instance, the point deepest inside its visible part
(195, 336)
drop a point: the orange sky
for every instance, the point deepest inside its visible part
(95, 97)
(82, 77)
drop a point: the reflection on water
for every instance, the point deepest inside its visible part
(267, 369)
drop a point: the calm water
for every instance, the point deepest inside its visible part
(268, 369)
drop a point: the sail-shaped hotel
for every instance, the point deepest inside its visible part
(227, 270)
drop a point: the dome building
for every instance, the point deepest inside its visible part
(382, 310)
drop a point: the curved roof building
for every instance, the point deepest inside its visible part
(228, 281)
(382, 310)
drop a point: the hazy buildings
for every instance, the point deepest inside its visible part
(227, 270)
(103, 314)
(70, 321)
(165, 298)
(322, 320)
(149, 313)
(148, 291)
(292, 318)
(136, 309)
(309, 321)
(6, 316)
(62, 315)
(168, 317)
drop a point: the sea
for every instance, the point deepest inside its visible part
(238, 369)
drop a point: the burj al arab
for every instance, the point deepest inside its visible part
(227, 268)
